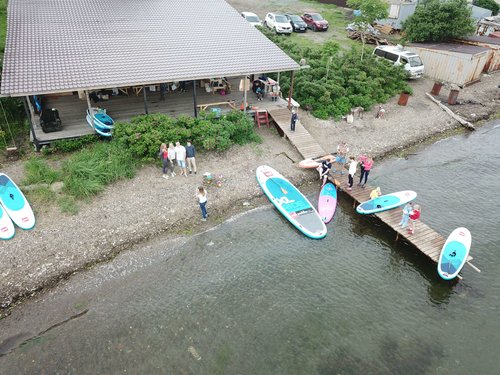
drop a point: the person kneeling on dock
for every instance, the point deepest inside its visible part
(375, 193)
(324, 170)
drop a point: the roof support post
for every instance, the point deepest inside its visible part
(290, 92)
(89, 106)
(195, 106)
(145, 99)
(245, 89)
(30, 116)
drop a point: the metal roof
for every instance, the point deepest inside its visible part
(69, 45)
(451, 47)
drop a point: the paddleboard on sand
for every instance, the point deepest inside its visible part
(454, 253)
(7, 229)
(15, 204)
(386, 202)
(327, 202)
(292, 204)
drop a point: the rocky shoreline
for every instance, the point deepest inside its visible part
(135, 211)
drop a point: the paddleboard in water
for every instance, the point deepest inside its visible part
(386, 202)
(292, 204)
(15, 204)
(309, 163)
(454, 253)
(327, 202)
(7, 229)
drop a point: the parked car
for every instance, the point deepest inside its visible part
(278, 22)
(252, 18)
(315, 22)
(298, 24)
(410, 61)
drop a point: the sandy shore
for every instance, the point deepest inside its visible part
(148, 206)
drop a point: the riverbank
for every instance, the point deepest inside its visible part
(148, 206)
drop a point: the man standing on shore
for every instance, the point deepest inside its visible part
(180, 156)
(191, 161)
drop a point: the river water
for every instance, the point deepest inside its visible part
(253, 296)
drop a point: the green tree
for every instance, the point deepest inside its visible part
(371, 10)
(488, 4)
(438, 20)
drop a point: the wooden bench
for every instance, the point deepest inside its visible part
(230, 103)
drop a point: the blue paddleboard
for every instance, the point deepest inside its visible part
(292, 204)
(15, 204)
(386, 202)
(454, 253)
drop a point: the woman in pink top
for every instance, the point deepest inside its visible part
(366, 166)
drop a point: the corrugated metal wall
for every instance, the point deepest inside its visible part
(493, 63)
(452, 67)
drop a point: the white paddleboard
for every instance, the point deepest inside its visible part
(386, 202)
(7, 229)
(454, 253)
(15, 204)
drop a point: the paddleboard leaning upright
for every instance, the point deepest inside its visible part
(15, 204)
(454, 253)
(386, 202)
(292, 204)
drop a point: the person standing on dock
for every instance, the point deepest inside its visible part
(406, 214)
(414, 216)
(353, 165)
(365, 171)
(294, 119)
(342, 151)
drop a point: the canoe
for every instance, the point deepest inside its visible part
(292, 204)
(454, 253)
(386, 202)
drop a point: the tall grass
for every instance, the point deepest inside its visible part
(37, 171)
(89, 171)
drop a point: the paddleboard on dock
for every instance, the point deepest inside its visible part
(386, 202)
(327, 202)
(292, 204)
(309, 163)
(15, 204)
(454, 253)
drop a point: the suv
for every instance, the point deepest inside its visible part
(252, 18)
(278, 22)
(315, 21)
(410, 61)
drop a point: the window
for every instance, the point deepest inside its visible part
(391, 56)
(380, 53)
(394, 11)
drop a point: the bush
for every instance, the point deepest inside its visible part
(89, 171)
(338, 80)
(144, 134)
(70, 145)
(488, 4)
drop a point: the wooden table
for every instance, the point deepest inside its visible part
(230, 103)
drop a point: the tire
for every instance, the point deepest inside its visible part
(276, 30)
(266, 25)
(314, 28)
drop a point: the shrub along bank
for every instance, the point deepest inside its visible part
(338, 80)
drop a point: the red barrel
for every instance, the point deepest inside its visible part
(436, 88)
(403, 98)
(452, 98)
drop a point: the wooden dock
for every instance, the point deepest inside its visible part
(300, 138)
(425, 239)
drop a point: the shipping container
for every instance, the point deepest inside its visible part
(453, 63)
(493, 44)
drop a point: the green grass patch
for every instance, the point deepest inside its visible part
(37, 171)
(68, 204)
(41, 196)
(89, 171)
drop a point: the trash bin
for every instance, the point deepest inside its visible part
(452, 98)
(436, 88)
(403, 98)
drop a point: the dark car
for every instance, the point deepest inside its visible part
(297, 23)
(315, 22)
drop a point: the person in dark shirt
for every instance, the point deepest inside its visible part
(324, 170)
(190, 157)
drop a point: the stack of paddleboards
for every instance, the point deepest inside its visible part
(14, 209)
(292, 204)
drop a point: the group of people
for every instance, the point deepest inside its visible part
(411, 213)
(184, 157)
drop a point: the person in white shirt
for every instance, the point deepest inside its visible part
(180, 156)
(201, 194)
(353, 165)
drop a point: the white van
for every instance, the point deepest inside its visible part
(398, 55)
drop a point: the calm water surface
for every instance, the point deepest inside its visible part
(254, 296)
